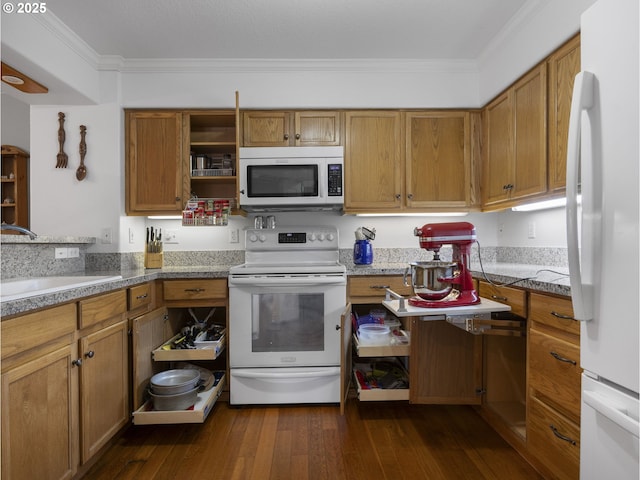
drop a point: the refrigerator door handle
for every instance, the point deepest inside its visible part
(582, 99)
(603, 405)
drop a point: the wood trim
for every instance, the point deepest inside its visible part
(29, 85)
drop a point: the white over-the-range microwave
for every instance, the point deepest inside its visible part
(291, 178)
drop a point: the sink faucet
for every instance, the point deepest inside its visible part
(17, 228)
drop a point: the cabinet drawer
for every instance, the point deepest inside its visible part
(553, 311)
(375, 286)
(98, 309)
(516, 299)
(554, 371)
(139, 296)
(28, 331)
(195, 289)
(554, 440)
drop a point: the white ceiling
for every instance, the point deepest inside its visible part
(289, 29)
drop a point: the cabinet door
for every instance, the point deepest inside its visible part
(154, 163)
(317, 128)
(446, 364)
(562, 66)
(346, 364)
(497, 162)
(39, 419)
(373, 152)
(437, 159)
(148, 332)
(104, 386)
(530, 161)
(266, 129)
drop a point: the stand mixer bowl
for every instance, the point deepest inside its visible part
(432, 280)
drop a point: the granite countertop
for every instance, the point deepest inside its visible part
(534, 277)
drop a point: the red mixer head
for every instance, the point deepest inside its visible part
(434, 235)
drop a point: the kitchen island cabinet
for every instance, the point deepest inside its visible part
(291, 128)
(104, 370)
(40, 416)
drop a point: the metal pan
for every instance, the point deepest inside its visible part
(172, 382)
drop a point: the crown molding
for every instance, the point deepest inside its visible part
(275, 65)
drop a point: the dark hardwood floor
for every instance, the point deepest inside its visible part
(385, 440)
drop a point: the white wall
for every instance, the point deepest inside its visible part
(15, 122)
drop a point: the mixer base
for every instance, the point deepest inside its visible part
(469, 297)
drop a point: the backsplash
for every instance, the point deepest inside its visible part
(23, 258)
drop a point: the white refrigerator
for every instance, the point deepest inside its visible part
(603, 241)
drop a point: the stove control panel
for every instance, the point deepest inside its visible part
(295, 238)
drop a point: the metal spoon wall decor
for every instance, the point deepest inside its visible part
(62, 158)
(81, 172)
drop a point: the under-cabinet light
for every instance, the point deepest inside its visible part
(436, 214)
(543, 205)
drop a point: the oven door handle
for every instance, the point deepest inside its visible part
(325, 372)
(286, 281)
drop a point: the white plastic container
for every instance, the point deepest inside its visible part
(374, 334)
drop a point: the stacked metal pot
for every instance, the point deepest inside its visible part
(175, 389)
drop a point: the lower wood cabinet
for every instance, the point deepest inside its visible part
(554, 378)
(40, 417)
(40, 395)
(65, 389)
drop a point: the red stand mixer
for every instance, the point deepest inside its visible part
(439, 284)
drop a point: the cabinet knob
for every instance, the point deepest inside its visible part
(286, 136)
(398, 196)
(499, 298)
(177, 199)
(90, 354)
(297, 136)
(562, 359)
(410, 196)
(77, 362)
(562, 316)
(140, 297)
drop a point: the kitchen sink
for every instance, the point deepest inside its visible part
(30, 287)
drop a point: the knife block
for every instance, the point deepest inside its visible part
(153, 260)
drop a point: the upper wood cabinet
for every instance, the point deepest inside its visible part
(410, 161)
(438, 161)
(515, 157)
(562, 66)
(154, 162)
(297, 128)
(161, 150)
(373, 161)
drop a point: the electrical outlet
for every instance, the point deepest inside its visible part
(170, 236)
(73, 252)
(234, 235)
(61, 253)
(106, 235)
(132, 237)
(532, 230)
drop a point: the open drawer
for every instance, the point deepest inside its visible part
(392, 350)
(145, 415)
(377, 379)
(204, 351)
